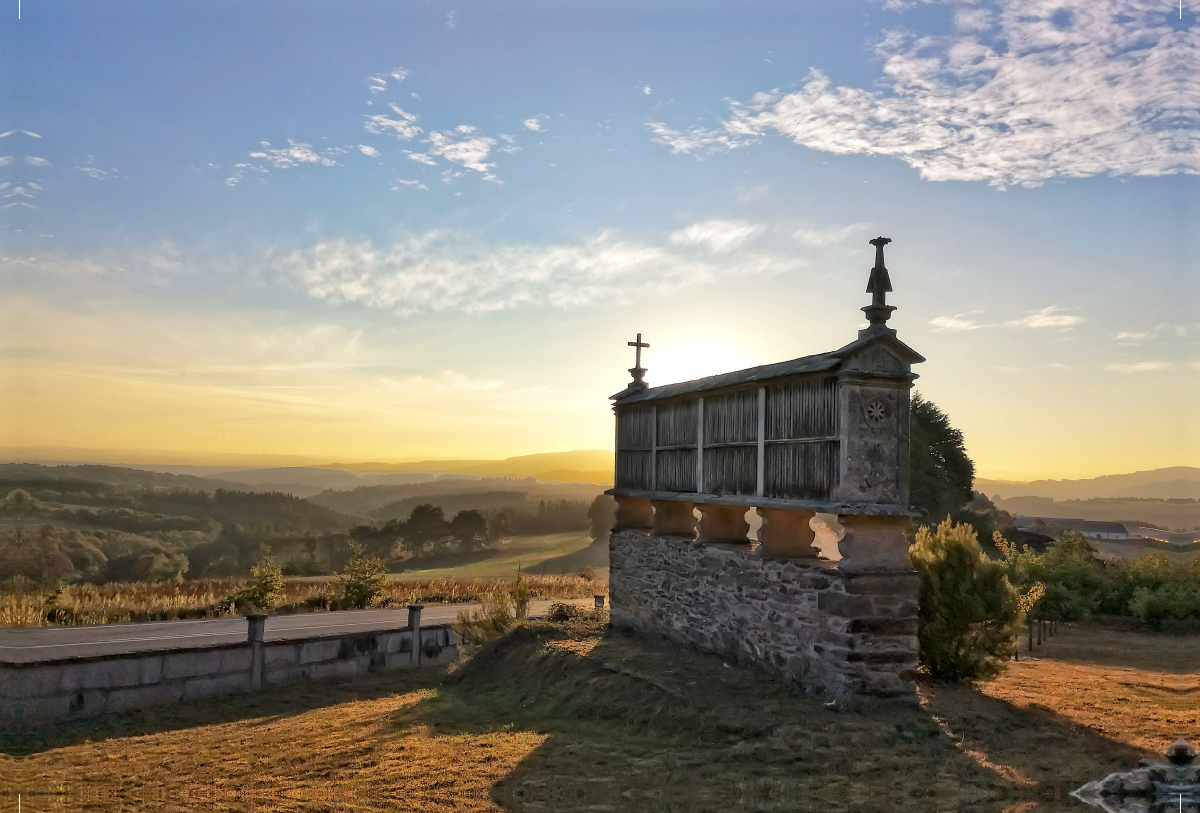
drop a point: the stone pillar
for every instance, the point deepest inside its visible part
(723, 523)
(635, 513)
(786, 534)
(255, 628)
(674, 519)
(873, 544)
(414, 623)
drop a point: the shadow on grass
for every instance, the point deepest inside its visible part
(1098, 644)
(274, 704)
(636, 727)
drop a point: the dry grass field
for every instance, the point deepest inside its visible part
(572, 718)
(140, 601)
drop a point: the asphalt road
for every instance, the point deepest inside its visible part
(55, 643)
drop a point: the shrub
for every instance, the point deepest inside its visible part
(969, 613)
(363, 580)
(493, 619)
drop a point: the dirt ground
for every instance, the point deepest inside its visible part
(572, 718)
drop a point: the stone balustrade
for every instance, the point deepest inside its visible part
(869, 542)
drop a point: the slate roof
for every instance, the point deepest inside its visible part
(803, 365)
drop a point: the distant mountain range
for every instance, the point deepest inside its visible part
(1173, 483)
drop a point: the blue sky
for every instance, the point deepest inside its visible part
(394, 231)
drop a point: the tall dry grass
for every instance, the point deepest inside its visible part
(139, 601)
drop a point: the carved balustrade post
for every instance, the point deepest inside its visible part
(873, 544)
(633, 513)
(724, 523)
(673, 518)
(786, 534)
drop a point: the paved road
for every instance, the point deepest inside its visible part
(53, 643)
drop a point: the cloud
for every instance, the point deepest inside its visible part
(414, 184)
(719, 236)
(819, 237)
(19, 192)
(1019, 93)
(404, 127)
(293, 155)
(957, 322)
(1126, 336)
(1047, 317)
(534, 124)
(368, 151)
(240, 170)
(646, 90)
(421, 158)
(379, 82)
(1140, 367)
(5, 160)
(452, 19)
(444, 270)
(34, 161)
(464, 146)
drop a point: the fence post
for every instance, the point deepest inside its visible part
(255, 628)
(599, 601)
(414, 623)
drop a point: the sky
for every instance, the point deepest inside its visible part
(398, 231)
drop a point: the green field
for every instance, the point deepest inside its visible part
(551, 555)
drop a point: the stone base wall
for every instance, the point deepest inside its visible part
(85, 687)
(837, 634)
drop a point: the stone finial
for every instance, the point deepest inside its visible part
(638, 371)
(878, 286)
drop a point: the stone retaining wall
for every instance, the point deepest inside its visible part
(85, 687)
(835, 633)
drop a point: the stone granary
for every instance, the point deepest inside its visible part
(818, 435)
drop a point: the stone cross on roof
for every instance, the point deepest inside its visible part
(638, 371)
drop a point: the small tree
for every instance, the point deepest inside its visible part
(470, 528)
(601, 516)
(426, 525)
(363, 580)
(499, 528)
(268, 581)
(969, 612)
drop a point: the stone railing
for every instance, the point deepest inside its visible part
(871, 539)
(33, 692)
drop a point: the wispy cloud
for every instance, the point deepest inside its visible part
(1140, 367)
(403, 127)
(368, 151)
(1131, 336)
(5, 160)
(1050, 317)
(452, 19)
(1019, 93)
(464, 145)
(534, 124)
(409, 183)
(34, 161)
(822, 236)
(379, 82)
(293, 155)
(719, 236)
(443, 270)
(421, 158)
(957, 322)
